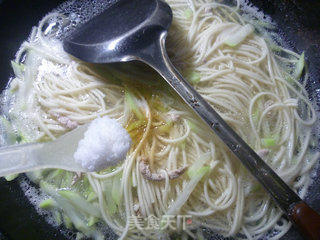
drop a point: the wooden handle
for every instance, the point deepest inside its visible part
(307, 220)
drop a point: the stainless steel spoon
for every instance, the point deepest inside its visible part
(136, 30)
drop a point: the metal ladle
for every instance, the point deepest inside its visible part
(136, 30)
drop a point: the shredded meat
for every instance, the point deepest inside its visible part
(263, 152)
(65, 121)
(145, 170)
(175, 117)
(77, 176)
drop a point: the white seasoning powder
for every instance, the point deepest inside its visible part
(105, 144)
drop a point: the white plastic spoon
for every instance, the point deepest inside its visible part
(35, 156)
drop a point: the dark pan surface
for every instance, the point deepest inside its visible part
(18, 218)
(298, 23)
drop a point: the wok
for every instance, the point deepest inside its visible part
(298, 22)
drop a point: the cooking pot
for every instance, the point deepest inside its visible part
(298, 23)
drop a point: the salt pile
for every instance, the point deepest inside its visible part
(105, 144)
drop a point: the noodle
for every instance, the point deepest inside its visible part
(246, 85)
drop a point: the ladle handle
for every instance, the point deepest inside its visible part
(306, 219)
(156, 56)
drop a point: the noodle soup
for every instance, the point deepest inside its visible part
(177, 177)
